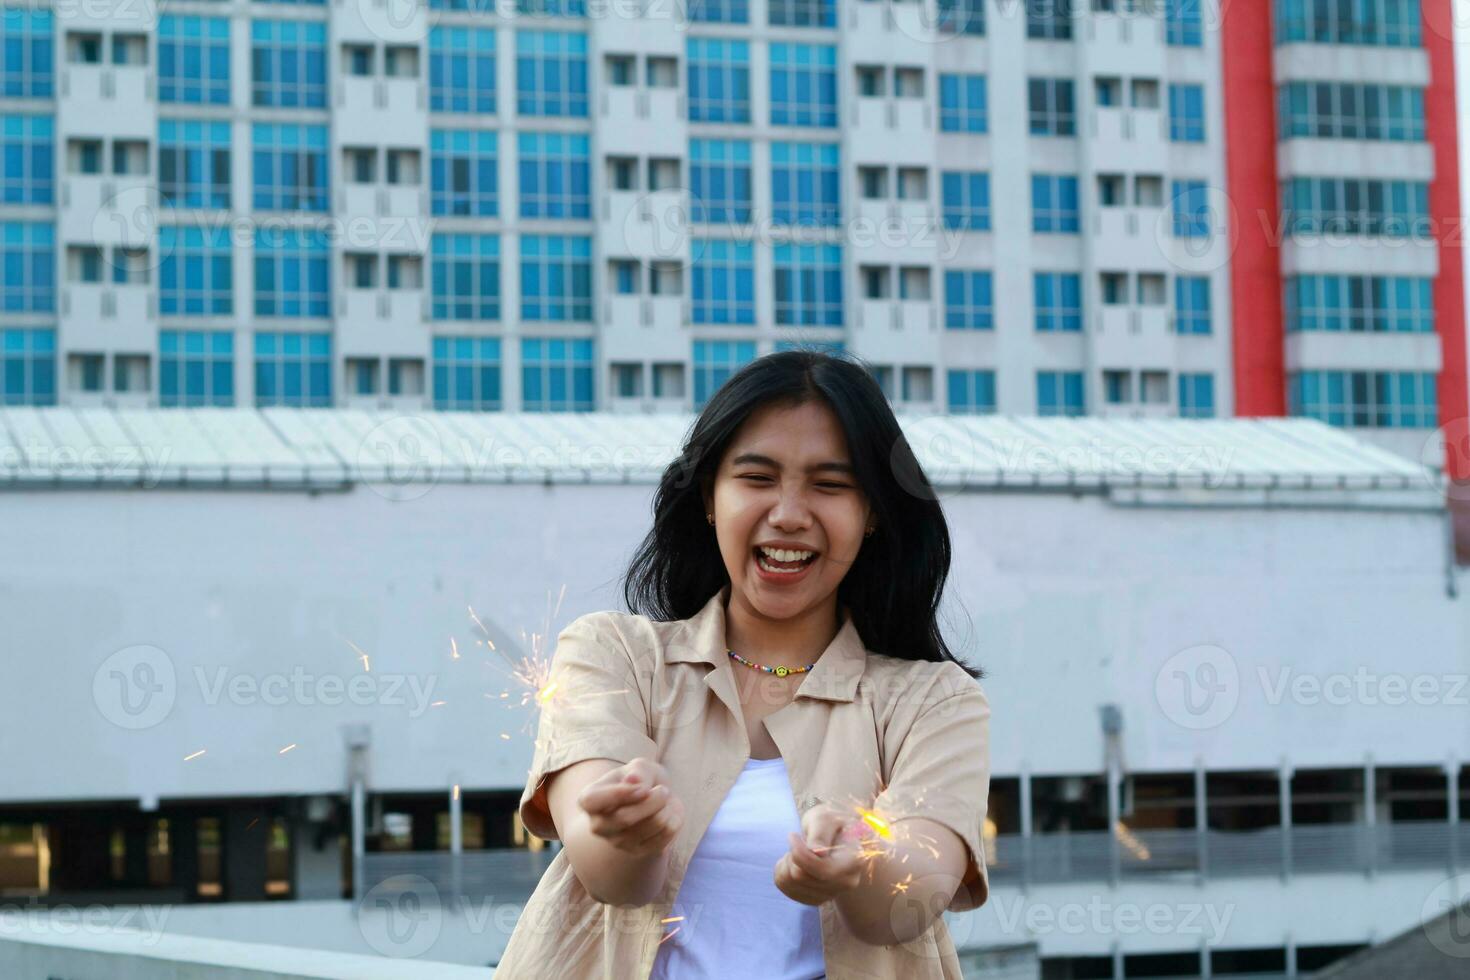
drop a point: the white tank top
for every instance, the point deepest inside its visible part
(736, 923)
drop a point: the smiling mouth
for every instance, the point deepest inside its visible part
(779, 567)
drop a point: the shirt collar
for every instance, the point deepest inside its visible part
(834, 678)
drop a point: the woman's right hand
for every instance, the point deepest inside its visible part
(633, 807)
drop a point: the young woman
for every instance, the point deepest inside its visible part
(774, 767)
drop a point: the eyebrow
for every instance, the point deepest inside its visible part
(759, 460)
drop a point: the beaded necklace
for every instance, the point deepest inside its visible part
(780, 671)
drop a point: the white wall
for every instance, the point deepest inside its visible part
(1067, 602)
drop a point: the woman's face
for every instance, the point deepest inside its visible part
(786, 480)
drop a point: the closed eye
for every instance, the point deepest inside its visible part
(760, 476)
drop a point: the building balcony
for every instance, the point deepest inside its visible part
(644, 122)
(104, 316)
(107, 209)
(1126, 336)
(109, 100)
(382, 322)
(380, 111)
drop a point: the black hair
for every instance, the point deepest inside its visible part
(892, 588)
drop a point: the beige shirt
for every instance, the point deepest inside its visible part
(903, 738)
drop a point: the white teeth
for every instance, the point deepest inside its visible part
(760, 560)
(782, 554)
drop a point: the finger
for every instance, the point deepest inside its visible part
(659, 828)
(620, 819)
(606, 797)
(645, 771)
(825, 829)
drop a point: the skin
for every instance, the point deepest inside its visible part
(617, 822)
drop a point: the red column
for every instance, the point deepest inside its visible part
(1255, 209)
(1444, 205)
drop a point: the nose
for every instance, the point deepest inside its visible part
(791, 511)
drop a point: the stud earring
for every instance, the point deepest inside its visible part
(710, 518)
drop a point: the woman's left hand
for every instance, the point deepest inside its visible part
(824, 860)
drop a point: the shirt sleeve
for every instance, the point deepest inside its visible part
(596, 710)
(941, 771)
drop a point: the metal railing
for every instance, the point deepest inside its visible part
(1332, 848)
(505, 874)
(511, 875)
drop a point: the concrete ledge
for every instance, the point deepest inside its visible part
(43, 952)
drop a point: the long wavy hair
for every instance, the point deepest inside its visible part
(894, 586)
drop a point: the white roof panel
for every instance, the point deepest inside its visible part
(296, 448)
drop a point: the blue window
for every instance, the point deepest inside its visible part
(1054, 203)
(971, 392)
(719, 80)
(196, 367)
(1058, 301)
(804, 184)
(466, 274)
(461, 69)
(292, 272)
(719, 181)
(288, 60)
(722, 281)
(1352, 111)
(1059, 393)
(802, 13)
(803, 85)
(194, 60)
(1187, 113)
(290, 163)
(1192, 304)
(554, 175)
(1051, 106)
(1390, 23)
(195, 276)
(293, 369)
(962, 17)
(969, 302)
(556, 374)
(556, 277)
(1360, 304)
(1196, 395)
(1365, 399)
(551, 73)
(467, 374)
(809, 285)
(1191, 199)
(28, 256)
(1051, 20)
(966, 199)
(27, 147)
(193, 164)
(26, 68)
(962, 104)
(1182, 23)
(27, 366)
(719, 11)
(1356, 206)
(463, 171)
(714, 362)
